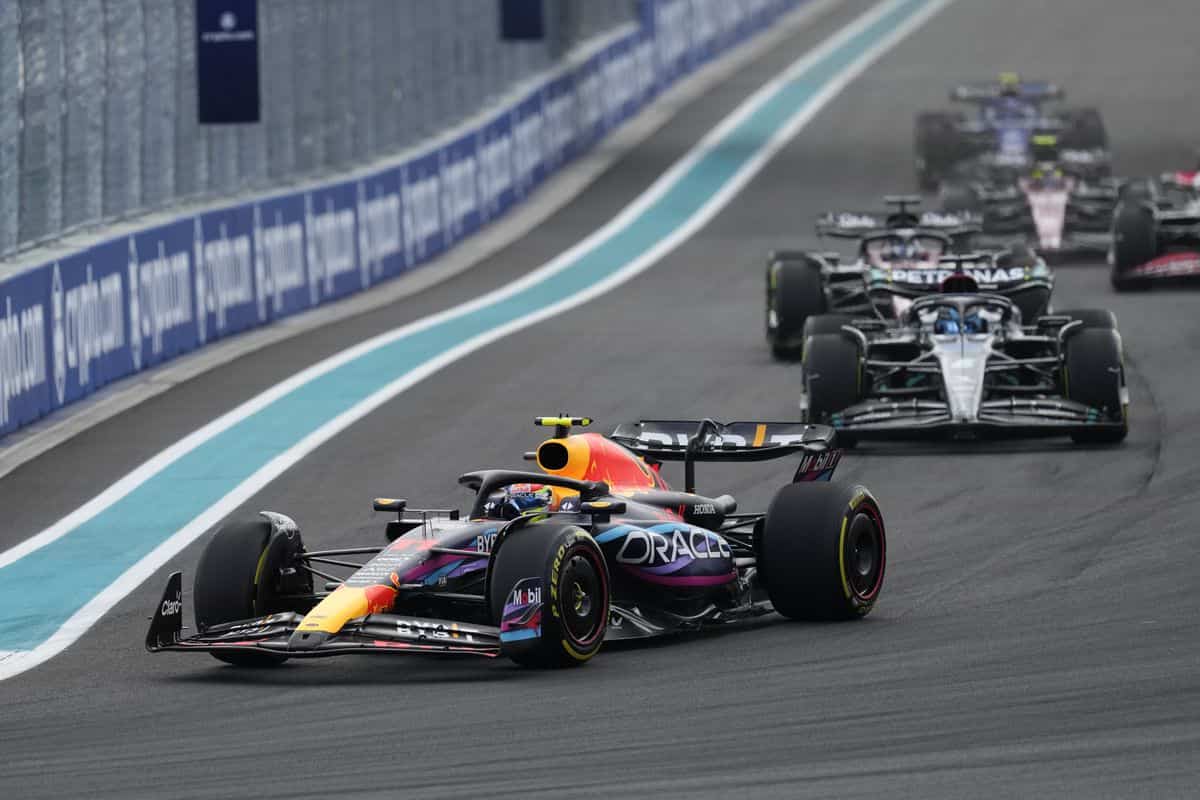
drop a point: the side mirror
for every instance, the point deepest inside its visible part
(602, 510)
(389, 504)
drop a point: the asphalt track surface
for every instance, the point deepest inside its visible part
(1038, 632)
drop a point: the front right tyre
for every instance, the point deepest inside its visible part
(1094, 374)
(832, 376)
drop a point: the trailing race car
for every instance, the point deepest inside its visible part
(1057, 205)
(1009, 114)
(900, 257)
(548, 565)
(1156, 231)
(964, 364)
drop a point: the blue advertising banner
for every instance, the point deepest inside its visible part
(331, 243)
(528, 124)
(227, 61)
(90, 322)
(162, 291)
(380, 217)
(26, 357)
(280, 273)
(223, 267)
(421, 202)
(495, 155)
(522, 19)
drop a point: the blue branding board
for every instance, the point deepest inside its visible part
(331, 243)
(26, 356)
(223, 272)
(522, 20)
(280, 271)
(164, 291)
(227, 61)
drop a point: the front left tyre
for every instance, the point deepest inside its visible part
(549, 593)
(238, 578)
(832, 377)
(822, 553)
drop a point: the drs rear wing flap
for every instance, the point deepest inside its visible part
(690, 441)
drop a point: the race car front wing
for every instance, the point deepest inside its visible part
(897, 419)
(270, 635)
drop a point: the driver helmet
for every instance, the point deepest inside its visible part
(518, 499)
(900, 250)
(1010, 84)
(950, 321)
(947, 321)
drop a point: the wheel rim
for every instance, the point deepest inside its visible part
(581, 599)
(864, 556)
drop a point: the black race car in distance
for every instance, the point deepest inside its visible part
(546, 566)
(1156, 232)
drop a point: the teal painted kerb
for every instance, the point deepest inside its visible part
(39, 592)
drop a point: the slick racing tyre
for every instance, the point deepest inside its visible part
(832, 377)
(1093, 374)
(1091, 317)
(240, 577)
(957, 198)
(549, 593)
(823, 551)
(1135, 242)
(823, 324)
(938, 147)
(795, 292)
(1085, 131)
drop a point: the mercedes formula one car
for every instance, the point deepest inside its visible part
(900, 256)
(547, 565)
(1009, 113)
(964, 364)
(1156, 231)
(1058, 204)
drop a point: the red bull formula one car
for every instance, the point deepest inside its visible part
(547, 565)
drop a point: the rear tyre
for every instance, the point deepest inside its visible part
(549, 592)
(832, 377)
(795, 292)
(227, 587)
(958, 198)
(1135, 242)
(823, 551)
(938, 147)
(1093, 374)
(1085, 131)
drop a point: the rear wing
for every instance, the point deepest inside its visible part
(1035, 91)
(690, 441)
(858, 224)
